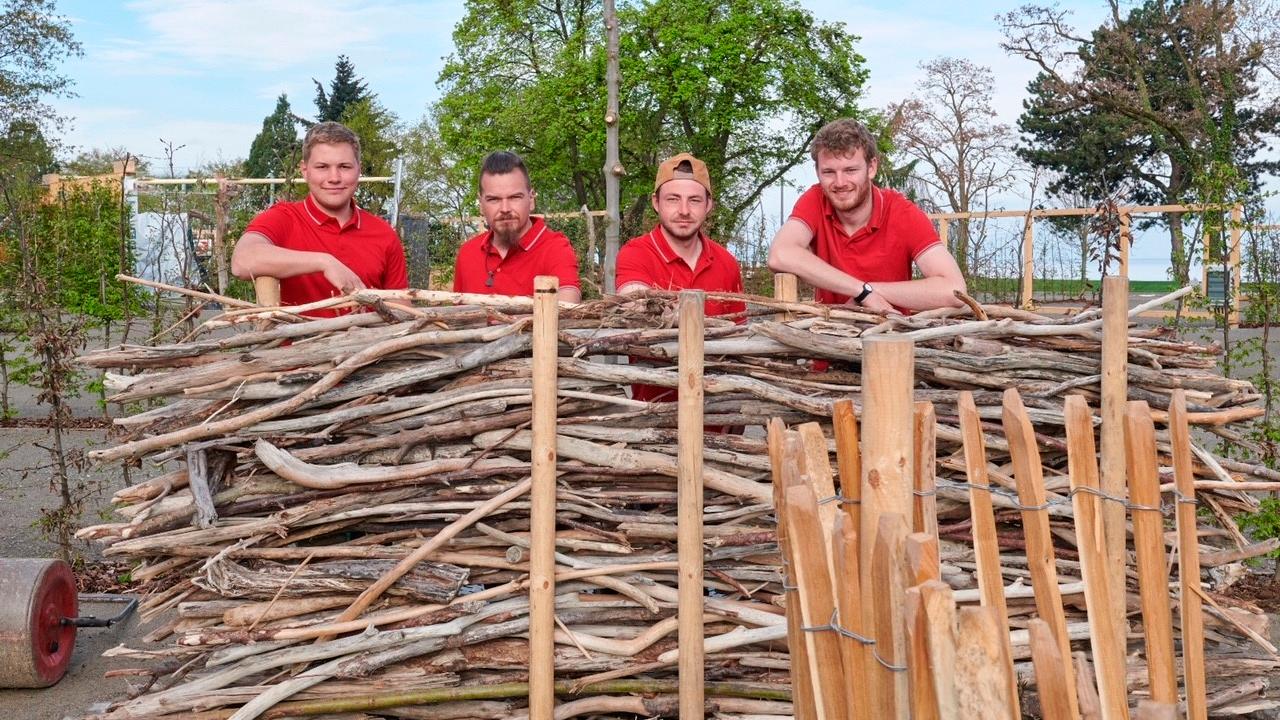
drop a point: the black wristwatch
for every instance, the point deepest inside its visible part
(866, 290)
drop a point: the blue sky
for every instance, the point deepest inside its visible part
(203, 73)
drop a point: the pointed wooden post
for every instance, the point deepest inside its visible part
(689, 505)
(985, 544)
(542, 510)
(1052, 673)
(1108, 645)
(1188, 561)
(983, 668)
(940, 622)
(859, 664)
(801, 684)
(888, 450)
(1041, 560)
(1148, 538)
(844, 422)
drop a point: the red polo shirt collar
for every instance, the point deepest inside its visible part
(669, 254)
(320, 217)
(874, 222)
(526, 242)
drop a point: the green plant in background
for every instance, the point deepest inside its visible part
(1263, 523)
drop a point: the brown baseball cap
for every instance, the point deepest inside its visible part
(683, 167)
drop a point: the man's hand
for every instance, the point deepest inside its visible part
(341, 277)
(875, 302)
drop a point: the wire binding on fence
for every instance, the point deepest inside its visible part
(833, 625)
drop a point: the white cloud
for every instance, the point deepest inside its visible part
(273, 34)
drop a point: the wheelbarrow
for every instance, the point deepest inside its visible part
(39, 616)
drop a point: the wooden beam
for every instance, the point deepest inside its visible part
(1054, 680)
(844, 422)
(1115, 393)
(689, 504)
(859, 663)
(923, 701)
(782, 464)
(542, 511)
(887, 577)
(888, 451)
(925, 502)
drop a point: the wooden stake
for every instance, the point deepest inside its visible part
(809, 565)
(986, 546)
(542, 512)
(983, 669)
(859, 664)
(1087, 688)
(801, 684)
(922, 558)
(817, 465)
(1148, 538)
(689, 502)
(1115, 393)
(924, 704)
(925, 515)
(844, 423)
(891, 642)
(1042, 563)
(888, 371)
(1052, 673)
(1108, 645)
(786, 287)
(940, 622)
(1188, 561)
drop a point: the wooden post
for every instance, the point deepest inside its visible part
(859, 664)
(542, 511)
(266, 291)
(786, 287)
(944, 232)
(985, 544)
(983, 666)
(1041, 560)
(924, 704)
(888, 452)
(781, 464)
(1233, 259)
(1057, 701)
(1115, 393)
(1107, 640)
(922, 558)
(849, 462)
(1028, 265)
(219, 250)
(1087, 688)
(689, 502)
(889, 583)
(1189, 605)
(1148, 538)
(816, 605)
(940, 622)
(925, 505)
(590, 266)
(1126, 240)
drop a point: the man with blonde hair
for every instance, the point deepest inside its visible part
(324, 245)
(856, 242)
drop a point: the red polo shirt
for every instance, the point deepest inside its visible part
(366, 244)
(541, 251)
(881, 251)
(650, 259)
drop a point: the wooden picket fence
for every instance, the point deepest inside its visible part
(874, 632)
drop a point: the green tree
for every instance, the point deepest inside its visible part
(345, 90)
(34, 40)
(101, 161)
(743, 85)
(379, 145)
(1163, 106)
(276, 149)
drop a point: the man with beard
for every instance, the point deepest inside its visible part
(517, 247)
(677, 254)
(324, 245)
(855, 242)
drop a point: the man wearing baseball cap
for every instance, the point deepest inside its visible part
(677, 254)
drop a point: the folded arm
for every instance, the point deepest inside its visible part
(255, 255)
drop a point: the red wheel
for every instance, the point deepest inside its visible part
(35, 646)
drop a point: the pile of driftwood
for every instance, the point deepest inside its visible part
(345, 524)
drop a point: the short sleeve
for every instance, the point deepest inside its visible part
(920, 233)
(395, 274)
(630, 267)
(808, 209)
(564, 264)
(273, 223)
